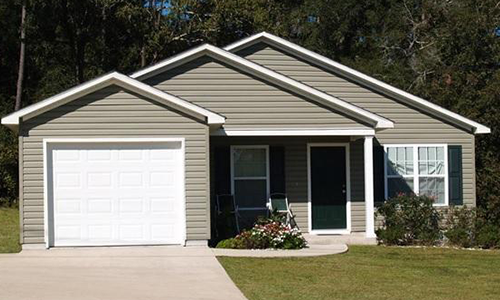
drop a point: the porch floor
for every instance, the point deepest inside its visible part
(355, 238)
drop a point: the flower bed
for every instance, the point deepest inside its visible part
(266, 234)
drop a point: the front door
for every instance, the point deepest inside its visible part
(328, 187)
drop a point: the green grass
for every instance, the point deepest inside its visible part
(9, 230)
(371, 272)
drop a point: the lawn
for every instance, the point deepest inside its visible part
(371, 272)
(9, 230)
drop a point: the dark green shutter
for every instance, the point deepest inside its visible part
(222, 163)
(378, 173)
(277, 169)
(455, 186)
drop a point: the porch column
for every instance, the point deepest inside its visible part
(369, 201)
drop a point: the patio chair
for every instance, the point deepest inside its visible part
(226, 205)
(278, 202)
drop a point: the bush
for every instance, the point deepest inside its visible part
(409, 220)
(268, 233)
(472, 227)
(461, 227)
(488, 236)
(231, 243)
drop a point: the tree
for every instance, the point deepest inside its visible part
(20, 77)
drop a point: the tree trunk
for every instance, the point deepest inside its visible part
(20, 74)
(143, 56)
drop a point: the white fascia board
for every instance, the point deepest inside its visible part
(358, 76)
(262, 72)
(294, 132)
(12, 120)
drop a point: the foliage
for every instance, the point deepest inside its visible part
(231, 243)
(461, 227)
(268, 233)
(472, 227)
(409, 220)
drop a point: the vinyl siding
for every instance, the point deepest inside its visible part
(412, 126)
(245, 101)
(296, 182)
(112, 112)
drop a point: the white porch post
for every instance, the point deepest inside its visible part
(369, 201)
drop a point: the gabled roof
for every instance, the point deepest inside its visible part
(359, 77)
(114, 78)
(268, 75)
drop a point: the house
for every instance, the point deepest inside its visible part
(135, 160)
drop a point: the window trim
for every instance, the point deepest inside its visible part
(233, 148)
(416, 171)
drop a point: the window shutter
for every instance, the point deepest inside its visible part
(222, 162)
(378, 173)
(277, 169)
(455, 188)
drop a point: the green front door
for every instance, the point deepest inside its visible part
(328, 187)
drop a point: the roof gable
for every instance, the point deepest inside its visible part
(358, 77)
(268, 75)
(247, 102)
(120, 80)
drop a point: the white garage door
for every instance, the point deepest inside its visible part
(116, 194)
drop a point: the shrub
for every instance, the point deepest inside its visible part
(461, 227)
(409, 220)
(231, 243)
(266, 233)
(487, 229)
(472, 228)
(488, 236)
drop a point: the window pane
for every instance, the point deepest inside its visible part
(249, 162)
(401, 154)
(250, 193)
(432, 187)
(440, 153)
(399, 186)
(422, 153)
(391, 153)
(409, 153)
(431, 153)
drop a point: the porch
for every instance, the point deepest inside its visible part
(329, 186)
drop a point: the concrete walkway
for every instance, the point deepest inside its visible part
(312, 250)
(134, 273)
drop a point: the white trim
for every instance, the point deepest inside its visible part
(356, 75)
(113, 78)
(293, 132)
(369, 189)
(267, 177)
(272, 76)
(50, 141)
(347, 230)
(416, 172)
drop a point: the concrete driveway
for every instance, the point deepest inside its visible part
(138, 273)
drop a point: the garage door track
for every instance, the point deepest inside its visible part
(121, 273)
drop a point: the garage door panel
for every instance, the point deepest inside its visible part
(116, 194)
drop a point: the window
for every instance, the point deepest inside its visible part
(421, 169)
(250, 176)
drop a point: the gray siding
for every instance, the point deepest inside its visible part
(246, 101)
(411, 126)
(112, 112)
(296, 183)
